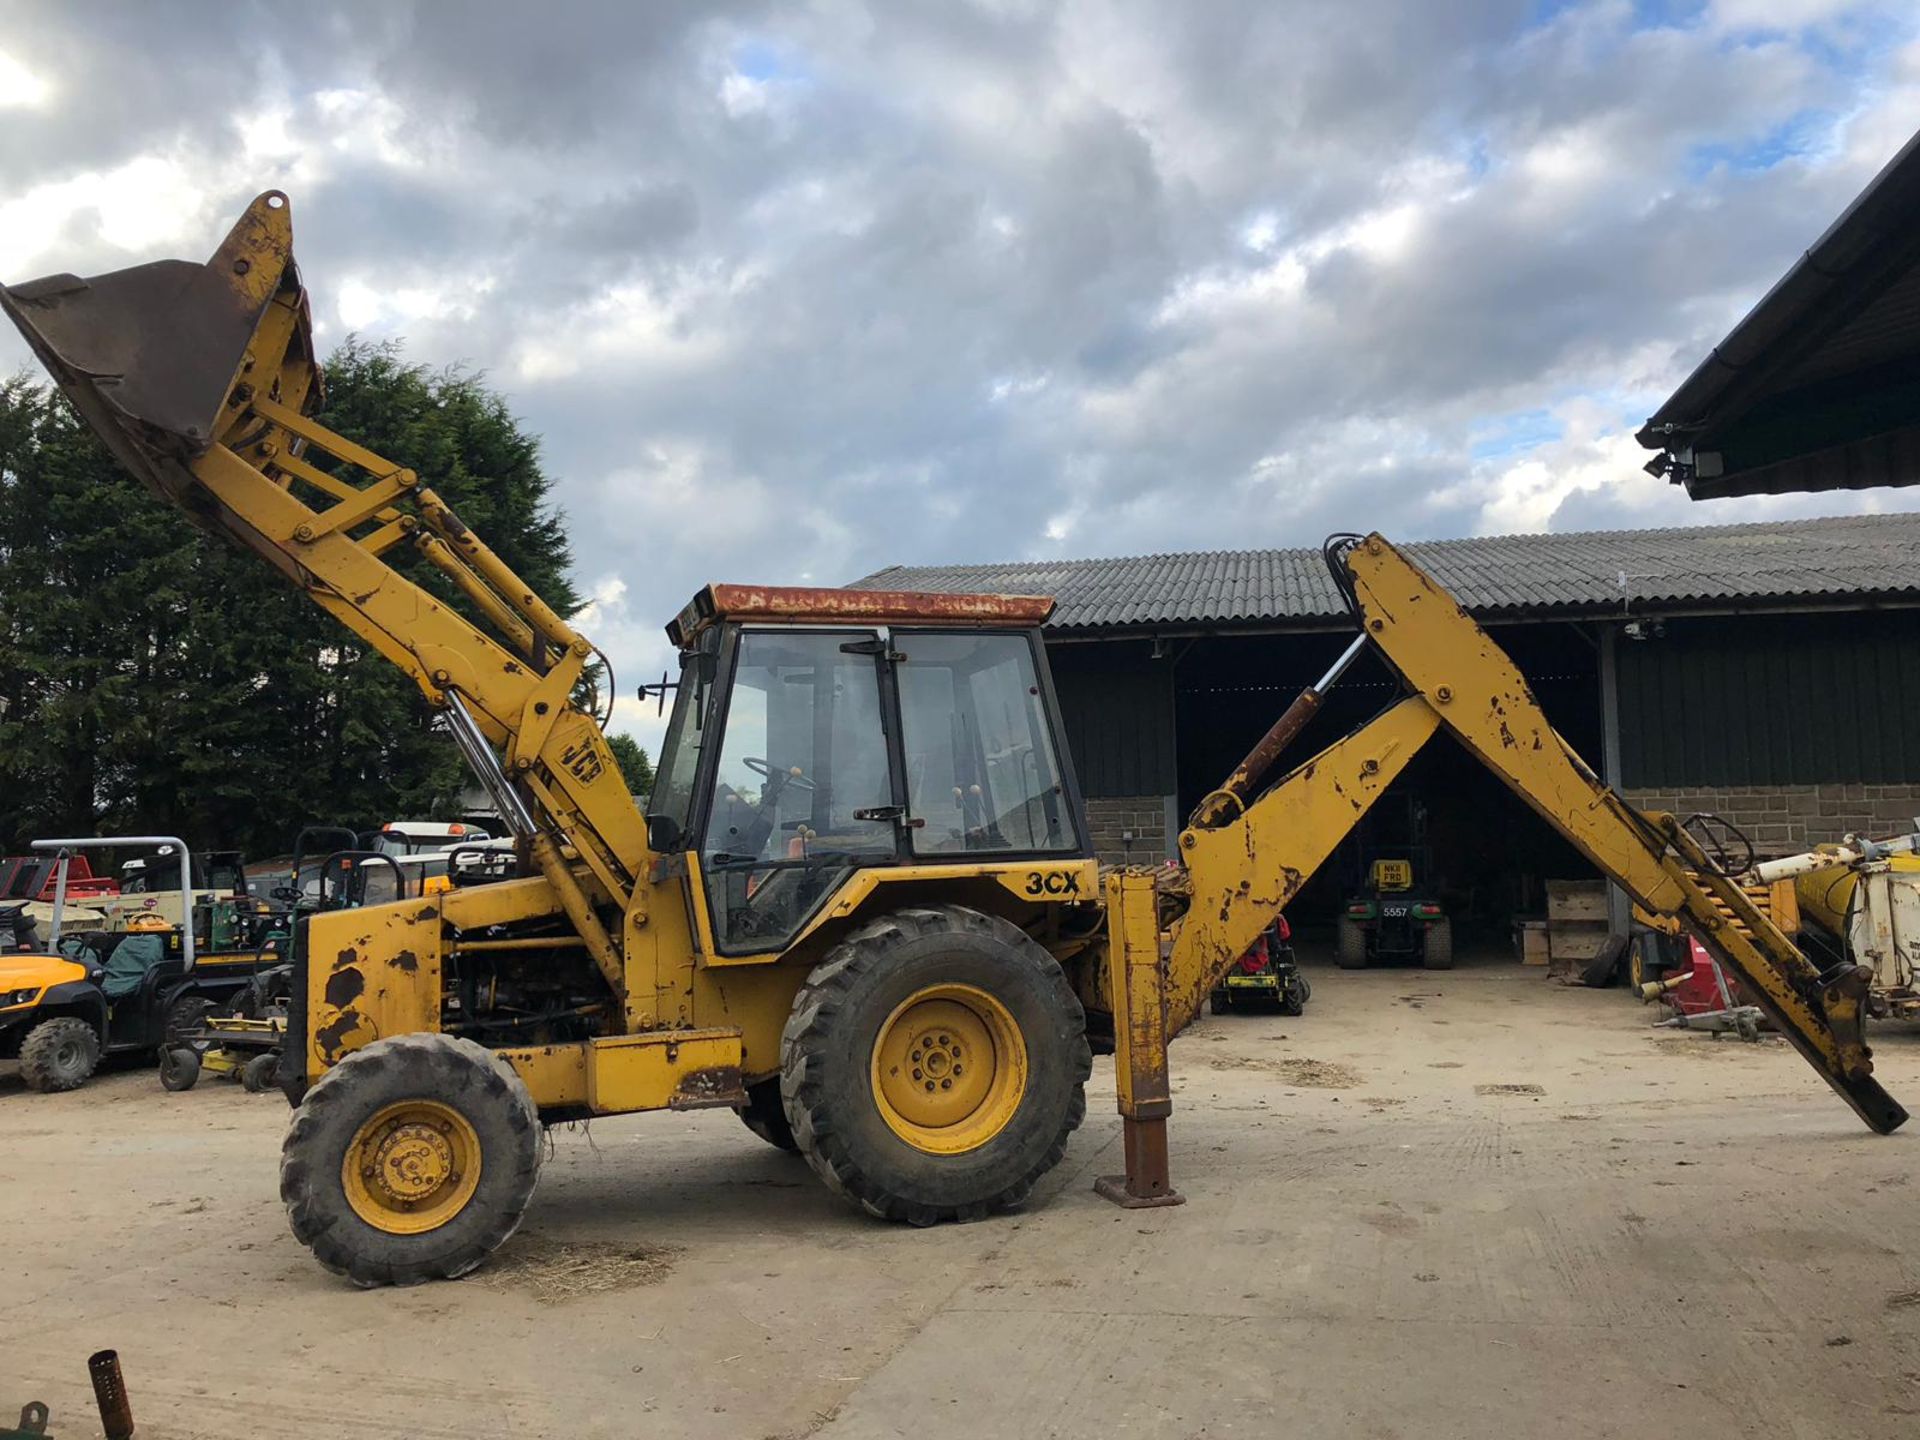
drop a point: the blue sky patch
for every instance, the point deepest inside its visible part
(1500, 436)
(758, 60)
(1797, 135)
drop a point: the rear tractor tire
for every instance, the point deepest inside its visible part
(413, 1159)
(59, 1054)
(1436, 951)
(934, 1065)
(1352, 951)
(766, 1117)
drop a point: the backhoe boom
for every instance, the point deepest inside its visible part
(1246, 860)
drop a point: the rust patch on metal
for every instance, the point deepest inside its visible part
(406, 961)
(820, 603)
(345, 985)
(330, 1039)
(719, 1086)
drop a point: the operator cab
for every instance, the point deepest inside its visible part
(815, 732)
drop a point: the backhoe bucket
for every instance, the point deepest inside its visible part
(151, 356)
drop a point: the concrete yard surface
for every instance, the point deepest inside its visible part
(1464, 1204)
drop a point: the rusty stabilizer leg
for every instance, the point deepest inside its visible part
(1136, 981)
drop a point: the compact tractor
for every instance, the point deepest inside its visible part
(123, 973)
(1397, 913)
(861, 907)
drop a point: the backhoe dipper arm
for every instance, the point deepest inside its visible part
(1246, 859)
(200, 379)
(1484, 703)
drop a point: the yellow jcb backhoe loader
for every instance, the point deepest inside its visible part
(862, 909)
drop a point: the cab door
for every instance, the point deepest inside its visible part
(802, 789)
(776, 780)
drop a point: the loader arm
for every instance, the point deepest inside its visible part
(200, 378)
(1246, 859)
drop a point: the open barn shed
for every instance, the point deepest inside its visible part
(1764, 672)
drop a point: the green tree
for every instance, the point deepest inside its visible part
(635, 764)
(158, 679)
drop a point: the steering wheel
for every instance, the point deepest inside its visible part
(787, 775)
(1718, 836)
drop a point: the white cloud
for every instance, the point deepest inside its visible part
(680, 322)
(1777, 15)
(1095, 276)
(21, 88)
(742, 95)
(143, 205)
(368, 303)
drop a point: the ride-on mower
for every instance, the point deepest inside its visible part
(1267, 974)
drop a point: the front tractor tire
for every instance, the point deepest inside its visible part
(1436, 951)
(59, 1054)
(934, 1065)
(413, 1159)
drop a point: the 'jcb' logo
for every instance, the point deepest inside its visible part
(1053, 882)
(582, 763)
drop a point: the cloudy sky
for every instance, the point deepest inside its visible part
(797, 291)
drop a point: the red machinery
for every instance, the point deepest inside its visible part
(1702, 997)
(35, 877)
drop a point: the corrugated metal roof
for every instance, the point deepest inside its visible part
(1723, 567)
(1759, 416)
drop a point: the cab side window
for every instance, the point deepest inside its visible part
(982, 771)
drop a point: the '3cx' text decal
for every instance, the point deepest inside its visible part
(1053, 882)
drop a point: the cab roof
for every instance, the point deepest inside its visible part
(810, 605)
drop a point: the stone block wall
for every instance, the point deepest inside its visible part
(1111, 817)
(1785, 819)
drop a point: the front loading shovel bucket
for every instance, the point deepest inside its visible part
(153, 356)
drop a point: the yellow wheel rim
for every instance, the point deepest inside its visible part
(949, 1069)
(411, 1167)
